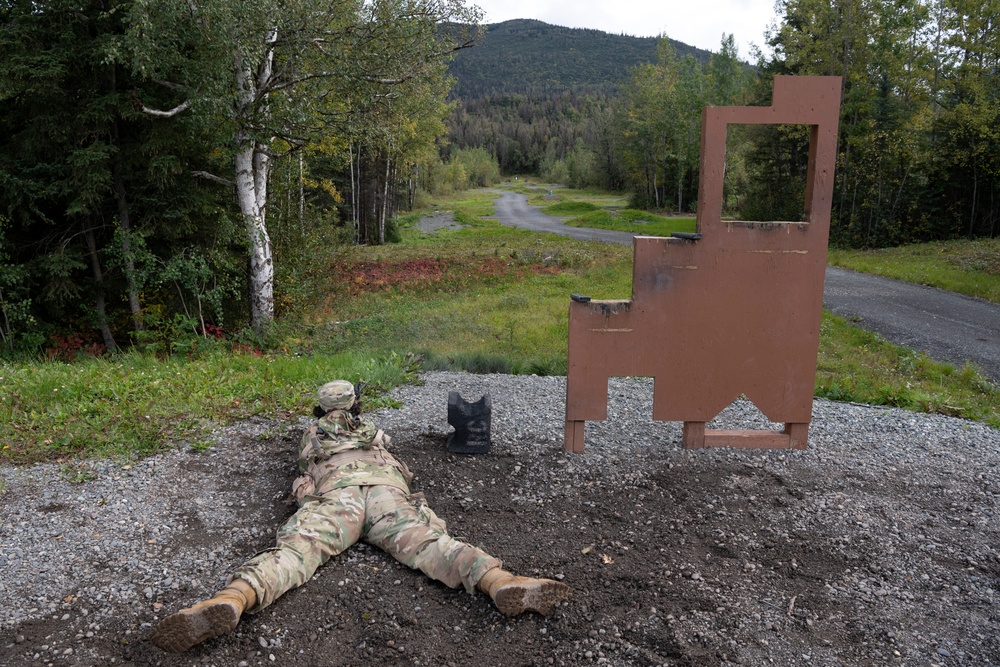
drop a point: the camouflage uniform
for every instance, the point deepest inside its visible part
(353, 488)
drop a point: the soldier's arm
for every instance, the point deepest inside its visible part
(308, 446)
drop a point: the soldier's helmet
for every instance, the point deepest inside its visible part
(336, 395)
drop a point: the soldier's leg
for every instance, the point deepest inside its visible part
(406, 528)
(411, 532)
(323, 527)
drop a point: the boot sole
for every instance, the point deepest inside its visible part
(542, 598)
(189, 627)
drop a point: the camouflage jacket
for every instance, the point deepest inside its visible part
(342, 450)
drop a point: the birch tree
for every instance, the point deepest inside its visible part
(261, 71)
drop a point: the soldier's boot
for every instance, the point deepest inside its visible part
(514, 595)
(205, 620)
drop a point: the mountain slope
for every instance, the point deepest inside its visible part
(528, 56)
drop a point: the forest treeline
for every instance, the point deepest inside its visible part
(919, 149)
(164, 164)
(173, 171)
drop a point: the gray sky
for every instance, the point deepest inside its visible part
(696, 22)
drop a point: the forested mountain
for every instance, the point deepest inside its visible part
(919, 151)
(531, 57)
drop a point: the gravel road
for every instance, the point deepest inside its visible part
(947, 326)
(512, 209)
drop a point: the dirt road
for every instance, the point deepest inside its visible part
(512, 209)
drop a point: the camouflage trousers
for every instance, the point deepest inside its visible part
(400, 524)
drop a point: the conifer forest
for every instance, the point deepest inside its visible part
(175, 163)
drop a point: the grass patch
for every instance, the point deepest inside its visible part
(634, 222)
(859, 365)
(570, 208)
(134, 405)
(469, 206)
(967, 267)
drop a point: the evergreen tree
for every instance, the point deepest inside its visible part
(917, 150)
(84, 179)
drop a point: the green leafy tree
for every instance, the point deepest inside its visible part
(662, 127)
(481, 167)
(965, 140)
(78, 163)
(263, 72)
(649, 122)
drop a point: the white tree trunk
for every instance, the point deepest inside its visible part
(385, 205)
(302, 194)
(251, 192)
(252, 170)
(354, 196)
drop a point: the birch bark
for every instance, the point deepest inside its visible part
(251, 193)
(253, 165)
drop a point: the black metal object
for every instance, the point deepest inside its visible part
(686, 235)
(471, 422)
(580, 298)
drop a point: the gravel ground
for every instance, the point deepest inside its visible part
(438, 220)
(876, 546)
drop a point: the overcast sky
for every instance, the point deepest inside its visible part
(696, 22)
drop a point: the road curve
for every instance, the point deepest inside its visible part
(947, 326)
(513, 210)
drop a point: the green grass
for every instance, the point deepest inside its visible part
(492, 291)
(858, 365)
(634, 222)
(571, 208)
(484, 298)
(133, 404)
(966, 267)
